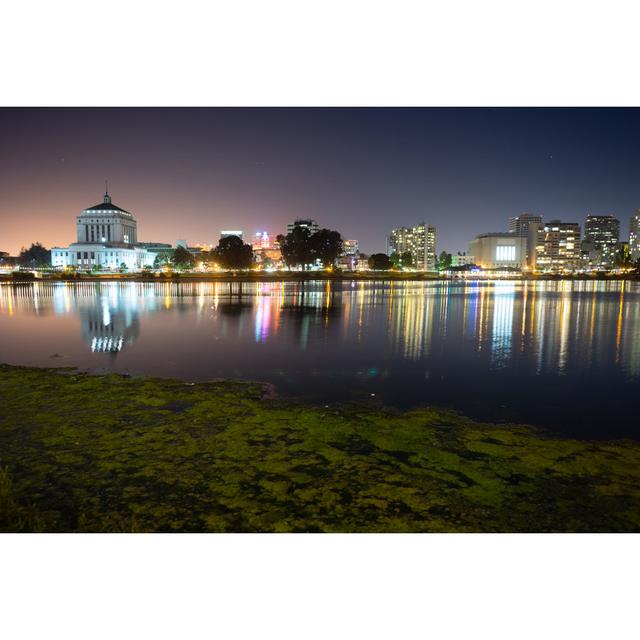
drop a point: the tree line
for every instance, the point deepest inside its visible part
(299, 249)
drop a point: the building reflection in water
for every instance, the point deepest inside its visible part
(544, 327)
(502, 332)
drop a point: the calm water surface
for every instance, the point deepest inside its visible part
(564, 355)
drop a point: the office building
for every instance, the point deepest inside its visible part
(107, 238)
(462, 260)
(350, 255)
(499, 250)
(520, 224)
(634, 236)
(604, 233)
(527, 225)
(350, 247)
(419, 241)
(558, 246)
(265, 248)
(225, 233)
(306, 223)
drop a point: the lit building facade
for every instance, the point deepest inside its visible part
(527, 225)
(462, 260)
(419, 241)
(634, 236)
(501, 250)
(107, 238)
(349, 258)
(306, 223)
(558, 246)
(520, 224)
(266, 249)
(226, 233)
(603, 232)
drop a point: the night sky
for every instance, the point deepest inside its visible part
(187, 173)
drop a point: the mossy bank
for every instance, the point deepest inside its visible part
(83, 452)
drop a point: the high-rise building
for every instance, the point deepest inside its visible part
(225, 233)
(265, 248)
(558, 246)
(306, 223)
(604, 233)
(526, 225)
(419, 241)
(261, 241)
(107, 238)
(350, 255)
(350, 247)
(499, 250)
(520, 224)
(634, 236)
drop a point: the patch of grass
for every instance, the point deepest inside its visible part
(14, 516)
(113, 453)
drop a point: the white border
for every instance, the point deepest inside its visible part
(286, 52)
(320, 53)
(315, 586)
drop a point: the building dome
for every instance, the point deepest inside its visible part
(106, 205)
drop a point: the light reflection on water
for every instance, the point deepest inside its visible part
(561, 353)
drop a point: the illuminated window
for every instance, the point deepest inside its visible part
(505, 253)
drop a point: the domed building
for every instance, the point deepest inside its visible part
(107, 237)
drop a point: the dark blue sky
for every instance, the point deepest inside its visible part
(187, 173)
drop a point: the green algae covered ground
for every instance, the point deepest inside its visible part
(111, 453)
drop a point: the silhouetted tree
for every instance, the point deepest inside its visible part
(326, 246)
(401, 261)
(35, 256)
(380, 262)
(301, 248)
(183, 259)
(406, 260)
(295, 247)
(232, 253)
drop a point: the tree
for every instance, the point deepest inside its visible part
(401, 261)
(326, 246)
(35, 256)
(444, 261)
(380, 262)
(301, 248)
(296, 247)
(406, 260)
(162, 258)
(123, 267)
(232, 253)
(183, 259)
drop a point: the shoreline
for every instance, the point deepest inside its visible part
(89, 452)
(309, 277)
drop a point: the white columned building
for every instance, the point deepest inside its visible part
(107, 237)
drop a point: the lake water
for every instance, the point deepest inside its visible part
(565, 355)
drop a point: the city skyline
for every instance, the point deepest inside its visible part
(188, 173)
